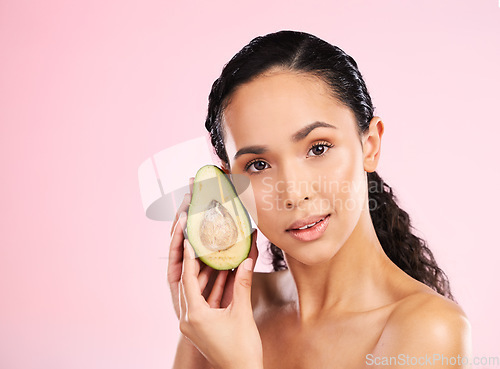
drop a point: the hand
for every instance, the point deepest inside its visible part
(228, 337)
(174, 269)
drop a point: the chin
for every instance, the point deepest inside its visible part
(312, 255)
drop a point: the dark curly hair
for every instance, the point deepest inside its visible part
(305, 53)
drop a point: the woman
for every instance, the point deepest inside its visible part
(352, 287)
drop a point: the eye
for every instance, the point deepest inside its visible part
(256, 165)
(319, 149)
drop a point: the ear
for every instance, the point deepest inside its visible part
(372, 141)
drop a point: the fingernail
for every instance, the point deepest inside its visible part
(248, 264)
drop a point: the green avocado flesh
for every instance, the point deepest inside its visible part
(218, 225)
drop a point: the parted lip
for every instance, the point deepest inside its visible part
(306, 221)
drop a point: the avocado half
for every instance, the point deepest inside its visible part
(218, 225)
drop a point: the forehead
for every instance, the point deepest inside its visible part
(278, 104)
(265, 97)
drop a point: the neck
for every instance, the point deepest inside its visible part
(349, 282)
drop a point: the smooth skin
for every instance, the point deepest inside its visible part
(342, 303)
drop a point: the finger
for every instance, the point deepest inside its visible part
(183, 208)
(189, 279)
(204, 277)
(215, 297)
(227, 297)
(210, 284)
(191, 184)
(243, 286)
(176, 251)
(182, 303)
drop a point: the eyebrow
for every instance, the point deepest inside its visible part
(251, 150)
(299, 135)
(302, 133)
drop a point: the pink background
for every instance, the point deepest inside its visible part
(90, 89)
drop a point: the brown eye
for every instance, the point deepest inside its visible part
(259, 165)
(256, 166)
(319, 149)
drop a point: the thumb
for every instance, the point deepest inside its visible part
(243, 286)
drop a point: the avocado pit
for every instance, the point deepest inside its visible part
(217, 229)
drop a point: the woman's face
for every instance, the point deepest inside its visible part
(302, 154)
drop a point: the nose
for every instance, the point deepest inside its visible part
(297, 187)
(292, 203)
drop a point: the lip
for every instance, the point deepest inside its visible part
(306, 221)
(312, 233)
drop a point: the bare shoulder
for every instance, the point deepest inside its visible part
(425, 324)
(428, 311)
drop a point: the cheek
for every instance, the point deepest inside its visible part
(346, 183)
(259, 198)
(246, 193)
(266, 205)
